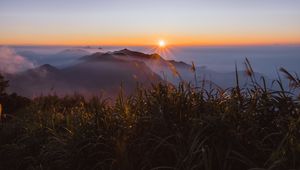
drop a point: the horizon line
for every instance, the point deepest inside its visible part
(139, 45)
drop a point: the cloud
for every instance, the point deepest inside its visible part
(11, 62)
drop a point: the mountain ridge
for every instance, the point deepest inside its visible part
(107, 70)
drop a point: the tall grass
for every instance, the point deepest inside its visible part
(164, 127)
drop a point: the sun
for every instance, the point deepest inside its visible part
(161, 43)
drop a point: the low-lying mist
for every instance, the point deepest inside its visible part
(11, 62)
(65, 71)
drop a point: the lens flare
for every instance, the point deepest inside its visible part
(161, 43)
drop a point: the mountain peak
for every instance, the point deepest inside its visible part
(125, 50)
(136, 54)
(121, 55)
(73, 52)
(128, 52)
(99, 56)
(155, 56)
(47, 67)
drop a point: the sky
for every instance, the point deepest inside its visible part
(145, 22)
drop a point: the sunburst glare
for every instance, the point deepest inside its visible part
(161, 43)
(162, 48)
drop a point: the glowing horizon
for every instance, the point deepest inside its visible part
(140, 23)
(132, 41)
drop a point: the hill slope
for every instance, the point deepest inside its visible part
(87, 77)
(105, 72)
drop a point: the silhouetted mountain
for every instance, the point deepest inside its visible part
(124, 54)
(72, 53)
(88, 77)
(47, 68)
(61, 59)
(136, 55)
(107, 71)
(100, 57)
(170, 70)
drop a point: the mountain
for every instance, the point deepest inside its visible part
(60, 59)
(171, 70)
(88, 77)
(105, 72)
(155, 62)
(136, 55)
(72, 53)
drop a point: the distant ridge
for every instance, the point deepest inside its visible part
(120, 55)
(73, 52)
(47, 67)
(93, 74)
(136, 54)
(106, 71)
(62, 58)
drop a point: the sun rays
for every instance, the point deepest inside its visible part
(162, 48)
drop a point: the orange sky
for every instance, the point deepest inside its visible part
(136, 22)
(149, 40)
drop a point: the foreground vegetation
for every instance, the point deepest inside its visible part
(164, 127)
